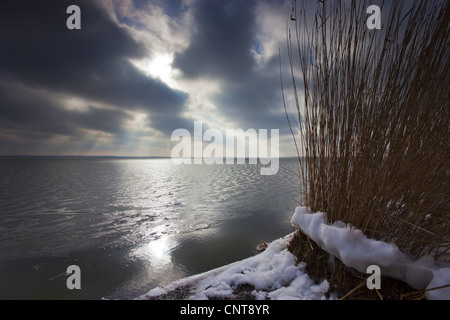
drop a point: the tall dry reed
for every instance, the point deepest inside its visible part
(373, 116)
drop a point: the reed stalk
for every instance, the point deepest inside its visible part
(373, 118)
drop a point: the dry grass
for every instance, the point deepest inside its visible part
(374, 119)
(373, 122)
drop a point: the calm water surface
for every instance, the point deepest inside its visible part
(131, 224)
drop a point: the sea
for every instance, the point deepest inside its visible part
(132, 224)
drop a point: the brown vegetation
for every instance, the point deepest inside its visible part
(374, 119)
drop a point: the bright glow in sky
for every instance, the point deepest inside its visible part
(135, 72)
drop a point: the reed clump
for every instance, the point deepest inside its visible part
(373, 118)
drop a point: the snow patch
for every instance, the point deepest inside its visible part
(272, 273)
(355, 250)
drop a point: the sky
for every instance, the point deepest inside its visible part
(136, 71)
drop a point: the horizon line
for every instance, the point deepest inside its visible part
(31, 156)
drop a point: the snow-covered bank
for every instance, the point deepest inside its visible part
(274, 275)
(271, 274)
(355, 250)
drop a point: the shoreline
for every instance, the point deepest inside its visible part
(276, 274)
(269, 275)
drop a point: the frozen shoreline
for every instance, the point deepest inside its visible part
(273, 274)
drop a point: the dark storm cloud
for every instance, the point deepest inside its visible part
(221, 48)
(21, 109)
(222, 40)
(39, 52)
(254, 104)
(35, 111)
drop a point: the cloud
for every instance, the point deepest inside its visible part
(84, 89)
(256, 103)
(233, 43)
(33, 110)
(222, 41)
(42, 60)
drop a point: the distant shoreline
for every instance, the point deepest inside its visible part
(12, 157)
(76, 157)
